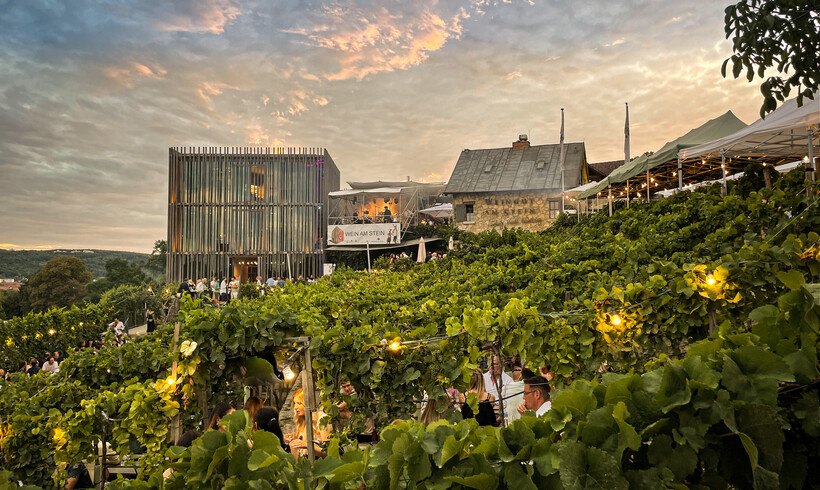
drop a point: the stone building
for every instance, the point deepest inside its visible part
(514, 187)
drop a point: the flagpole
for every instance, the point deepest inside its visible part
(561, 157)
(626, 150)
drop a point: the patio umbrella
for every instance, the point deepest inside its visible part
(451, 245)
(422, 251)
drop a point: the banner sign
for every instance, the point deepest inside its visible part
(373, 233)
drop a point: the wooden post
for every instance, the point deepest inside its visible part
(610, 199)
(647, 186)
(680, 174)
(725, 188)
(712, 319)
(499, 383)
(310, 402)
(176, 422)
(810, 169)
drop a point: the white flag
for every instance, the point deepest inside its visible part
(626, 135)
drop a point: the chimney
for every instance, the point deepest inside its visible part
(522, 142)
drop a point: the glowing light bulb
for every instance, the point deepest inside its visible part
(171, 380)
(616, 320)
(395, 346)
(288, 373)
(710, 280)
(51, 331)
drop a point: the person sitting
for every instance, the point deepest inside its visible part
(252, 405)
(219, 411)
(50, 366)
(78, 477)
(117, 327)
(267, 419)
(486, 414)
(35, 367)
(536, 396)
(297, 440)
(345, 412)
(431, 413)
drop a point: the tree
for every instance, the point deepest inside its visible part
(779, 34)
(118, 272)
(62, 282)
(155, 265)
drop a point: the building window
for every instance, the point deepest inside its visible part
(258, 182)
(469, 213)
(555, 209)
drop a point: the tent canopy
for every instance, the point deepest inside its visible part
(439, 211)
(777, 134)
(719, 127)
(581, 188)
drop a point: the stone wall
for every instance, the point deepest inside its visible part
(529, 210)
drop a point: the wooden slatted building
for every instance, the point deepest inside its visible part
(248, 211)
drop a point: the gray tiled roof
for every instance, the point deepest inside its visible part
(517, 169)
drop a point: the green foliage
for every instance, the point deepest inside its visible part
(118, 272)
(775, 34)
(249, 290)
(62, 282)
(20, 264)
(156, 263)
(675, 410)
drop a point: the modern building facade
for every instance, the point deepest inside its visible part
(248, 211)
(514, 187)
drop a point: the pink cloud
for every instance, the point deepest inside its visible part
(369, 42)
(127, 75)
(202, 16)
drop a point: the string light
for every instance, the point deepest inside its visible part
(51, 331)
(710, 279)
(616, 320)
(395, 346)
(171, 380)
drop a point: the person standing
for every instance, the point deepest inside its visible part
(149, 321)
(223, 290)
(234, 288)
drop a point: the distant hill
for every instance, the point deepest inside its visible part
(23, 263)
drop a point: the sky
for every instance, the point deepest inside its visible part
(93, 93)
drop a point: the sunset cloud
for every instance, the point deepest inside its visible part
(92, 94)
(200, 16)
(129, 74)
(370, 42)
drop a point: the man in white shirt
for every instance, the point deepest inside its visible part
(117, 326)
(501, 378)
(536, 396)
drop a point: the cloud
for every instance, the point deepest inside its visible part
(199, 16)
(614, 43)
(93, 94)
(369, 42)
(128, 75)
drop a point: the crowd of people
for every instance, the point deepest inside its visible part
(221, 292)
(50, 363)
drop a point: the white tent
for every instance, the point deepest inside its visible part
(581, 188)
(785, 132)
(439, 211)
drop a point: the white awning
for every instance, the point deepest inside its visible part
(581, 188)
(358, 192)
(439, 211)
(784, 131)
